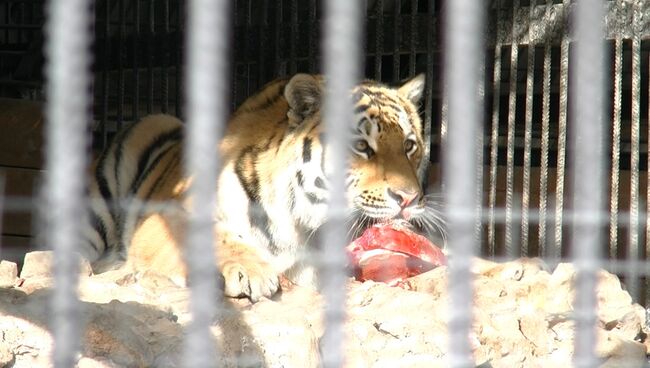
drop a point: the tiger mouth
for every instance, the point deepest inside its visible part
(379, 212)
(390, 213)
(426, 215)
(386, 214)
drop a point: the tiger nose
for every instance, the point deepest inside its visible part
(402, 197)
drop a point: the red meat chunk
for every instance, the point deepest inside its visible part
(391, 253)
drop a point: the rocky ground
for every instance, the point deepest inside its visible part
(523, 318)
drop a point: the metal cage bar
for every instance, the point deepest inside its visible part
(511, 249)
(120, 62)
(528, 131)
(544, 148)
(276, 25)
(428, 103)
(207, 81)
(264, 36)
(151, 20)
(105, 74)
(293, 48)
(494, 142)
(632, 274)
(647, 221)
(68, 79)
(313, 36)
(164, 70)
(561, 144)
(587, 98)
(413, 37)
(135, 62)
(464, 21)
(379, 38)
(3, 182)
(342, 37)
(616, 150)
(397, 37)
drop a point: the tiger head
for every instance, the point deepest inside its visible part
(385, 152)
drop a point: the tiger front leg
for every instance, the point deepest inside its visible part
(245, 272)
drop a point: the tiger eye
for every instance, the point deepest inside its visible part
(361, 145)
(408, 145)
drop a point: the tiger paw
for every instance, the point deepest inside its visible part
(251, 280)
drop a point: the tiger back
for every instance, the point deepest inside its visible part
(272, 190)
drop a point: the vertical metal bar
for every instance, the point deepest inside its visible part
(2, 206)
(293, 45)
(414, 35)
(150, 57)
(616, 149)
(180, 21)
(247, 46)
(647, 224)
(562, 133)
(428, 102)
(443, 123)
(544, 149)
(264, 30)
(277, 46)
(479, 146)
(632, 275)
(164, 67)
(239, 63)
(67, 51)
(207, 82)
(106, 70)
(528, 129)
(7, 21)
(379, 37)
(494, 138)
(342, 39)
(397, 38)
(511, 249)
(136, 61)
(464, 19)
(120, 62)
(23, 33)
(587, 107)
(313, 37)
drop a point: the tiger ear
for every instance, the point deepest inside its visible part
(303, 94)
(413, 89)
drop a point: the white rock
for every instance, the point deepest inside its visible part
(8, 274)
(523, 318)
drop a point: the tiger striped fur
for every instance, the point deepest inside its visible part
(272, 190)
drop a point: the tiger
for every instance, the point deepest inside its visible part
(272, 188)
